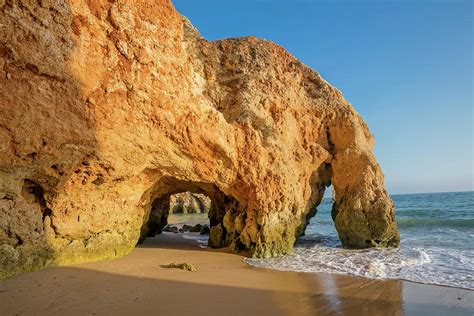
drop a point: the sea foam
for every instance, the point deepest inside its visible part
(431, 266)
(437, 244)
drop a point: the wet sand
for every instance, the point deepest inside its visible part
(223, 285)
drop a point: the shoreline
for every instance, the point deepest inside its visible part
(355, 276)
(223, 284)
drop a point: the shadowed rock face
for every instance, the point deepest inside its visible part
(108, 108)
(180, 203)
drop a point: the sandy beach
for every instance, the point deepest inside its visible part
(223, 285)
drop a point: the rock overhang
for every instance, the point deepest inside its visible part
(105, 104)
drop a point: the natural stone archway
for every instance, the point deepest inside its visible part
(108, 107)
(157, 219)
(187, 203)
(156, 203)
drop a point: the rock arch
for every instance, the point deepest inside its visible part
(156, 203)
(188, 202)
(109, 106)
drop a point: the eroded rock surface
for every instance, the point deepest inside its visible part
(108, 108)
(189, 203)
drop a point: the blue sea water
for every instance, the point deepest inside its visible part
(437, 244)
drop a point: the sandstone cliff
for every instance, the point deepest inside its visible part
(189, 203)
(107, 108)
(179, 203)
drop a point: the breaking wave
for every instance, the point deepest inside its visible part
(437, 244)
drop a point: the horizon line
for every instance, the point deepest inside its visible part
(464, 191)
(433, 192)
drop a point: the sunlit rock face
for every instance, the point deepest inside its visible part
(189, 203)
(179, 203)
(108, 108)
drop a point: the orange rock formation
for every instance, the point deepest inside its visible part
(109, 107)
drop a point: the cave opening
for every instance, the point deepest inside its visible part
(196, 210)
(320, 228)
(188, 214)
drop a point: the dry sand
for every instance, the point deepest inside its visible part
(223, 285)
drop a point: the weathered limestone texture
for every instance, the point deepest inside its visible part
(107, 108)
(188, 203)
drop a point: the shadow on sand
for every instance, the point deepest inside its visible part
(136, 285)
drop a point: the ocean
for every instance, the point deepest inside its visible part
(437, 243)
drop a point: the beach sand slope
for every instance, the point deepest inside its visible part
(222, 285)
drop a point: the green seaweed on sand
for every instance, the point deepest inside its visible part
(183, 266)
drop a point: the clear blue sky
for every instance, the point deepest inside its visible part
(406, 66)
